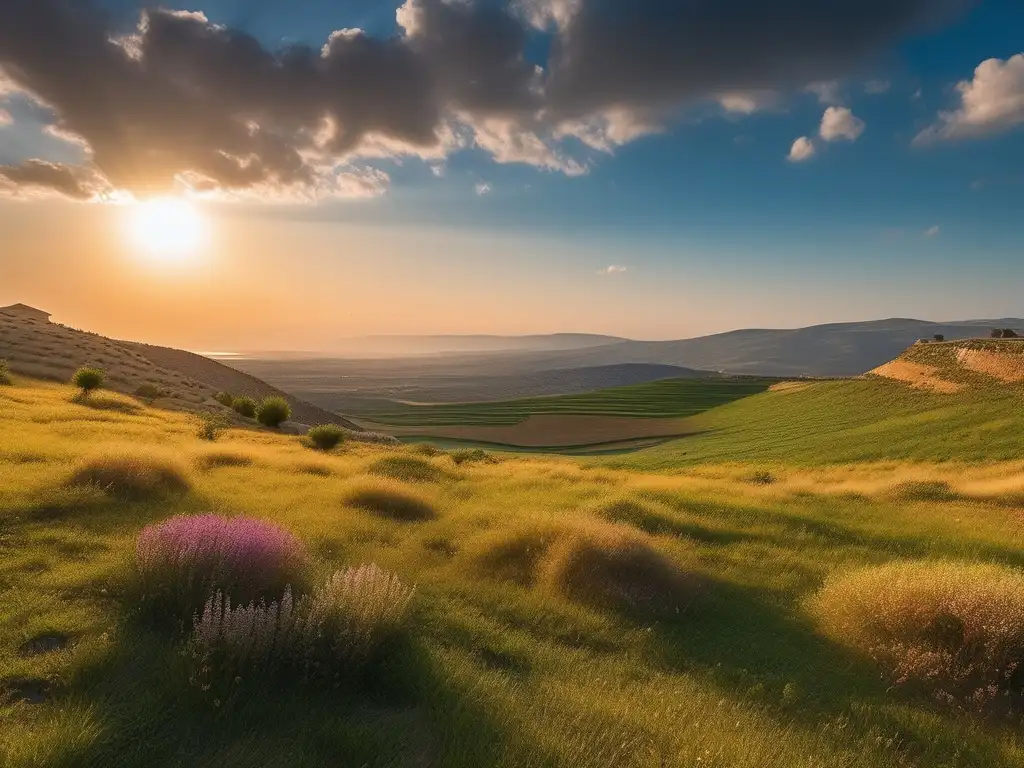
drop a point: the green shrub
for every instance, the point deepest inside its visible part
(5, 374)
(210, 426)
(273, 412)
(149, 392)
(225, 398)
(473, 456)
(88, 379)
(244, 406)
(326, 437)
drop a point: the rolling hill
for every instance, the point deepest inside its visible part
(958, 401)
(51, 351)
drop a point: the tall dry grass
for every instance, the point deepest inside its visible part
(954, 629)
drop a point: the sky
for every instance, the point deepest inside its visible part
(248, 174)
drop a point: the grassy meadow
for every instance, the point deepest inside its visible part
(533, 639)
(658, 399)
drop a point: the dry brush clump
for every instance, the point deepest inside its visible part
(226, 457)
(614, 566)
(408, 469)
(136, 477)
(956, 630)
(180, 562)
(603, 565)
(390, 499)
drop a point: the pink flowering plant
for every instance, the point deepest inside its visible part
(180, 562)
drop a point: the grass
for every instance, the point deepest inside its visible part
(850, 421)
(497, 669)
(658, 399)
(138, 476)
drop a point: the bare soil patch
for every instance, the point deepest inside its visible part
(554, 430)
(917, 375)
(1007, 368)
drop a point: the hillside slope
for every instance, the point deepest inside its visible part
(959, 401)
(52, 351)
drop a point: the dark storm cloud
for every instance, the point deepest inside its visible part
(656, 53)
(184, 98)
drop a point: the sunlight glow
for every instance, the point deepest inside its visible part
(167, 229)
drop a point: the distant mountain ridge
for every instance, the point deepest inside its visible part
(412, 345)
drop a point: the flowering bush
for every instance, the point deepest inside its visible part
(183, 560)
(336, 629)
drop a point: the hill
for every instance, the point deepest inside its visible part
(959, 401)
(408, 346)
(51, 351)
(534, 637)
(361, 387)
(833, 350)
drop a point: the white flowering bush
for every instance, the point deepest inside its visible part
(336, 629)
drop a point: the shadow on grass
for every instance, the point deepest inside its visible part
(107, 403)
(149, 714)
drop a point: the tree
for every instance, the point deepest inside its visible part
(939, 337)
(88, 379)
(1009, 333)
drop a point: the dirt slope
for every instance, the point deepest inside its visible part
(52, 351)
(957, 366)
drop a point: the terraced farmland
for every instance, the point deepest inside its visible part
(669, 398)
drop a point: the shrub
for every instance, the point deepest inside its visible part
(244, 406)
(326, 437)
(222, 458)
(389, 500)
(88, 379)
(427, 449)
(955, 630)
(149, 393)
(939, 337)
(612, 566)
(409, 469)
(132, 477)
(182, 561)
(926, 490)
(373, 438)
(761, 477)
(210, 426)
(339, 627)
(473, 455)
(225, 398)
(5, 374)
(273, 412)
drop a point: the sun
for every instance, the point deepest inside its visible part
(168, 229)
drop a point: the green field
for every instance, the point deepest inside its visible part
(501, 663)
(851, 421)
(667, 398)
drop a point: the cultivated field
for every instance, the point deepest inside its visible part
(534, 636)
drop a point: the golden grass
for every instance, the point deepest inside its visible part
(390, 499)
(138, 475)
(957, 629)
(614, 566)
(408, 469)
(222, 457)
(514, 555)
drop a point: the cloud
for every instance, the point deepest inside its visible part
(840, 123)
(40, 178)
(803, 149)
(931, 231)
(5, 118)
(991, 102)
(875, 87)
(827, 91)
(182, 98)
(748, 102)
(483, 188)
(613, 269)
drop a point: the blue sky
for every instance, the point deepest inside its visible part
(707, 200)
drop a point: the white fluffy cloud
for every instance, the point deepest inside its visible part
(826, 91)
(613, 269)
(747, 102)
(840, 123)
(991, 102)
(803, 149)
